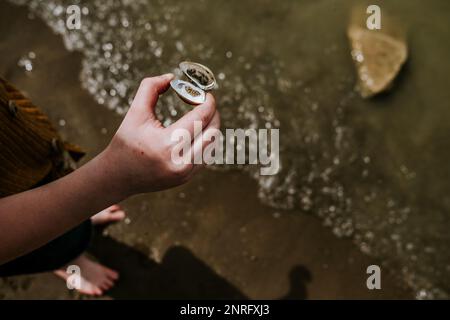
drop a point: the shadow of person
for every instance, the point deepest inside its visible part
(299, 278)
(180, 275)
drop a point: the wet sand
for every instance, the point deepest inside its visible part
(188, 242)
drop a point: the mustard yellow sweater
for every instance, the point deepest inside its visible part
(31, 150)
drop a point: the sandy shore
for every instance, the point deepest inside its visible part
(189, 242)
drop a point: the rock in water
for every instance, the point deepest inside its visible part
(378, 57)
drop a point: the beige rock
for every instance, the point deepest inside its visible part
(378, 57)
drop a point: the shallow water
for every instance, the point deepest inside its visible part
(376, 171)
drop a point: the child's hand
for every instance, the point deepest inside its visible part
(139, 155)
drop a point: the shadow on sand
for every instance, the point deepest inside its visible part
(180, 275)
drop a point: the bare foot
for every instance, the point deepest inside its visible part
(95, 278)
(109, 215)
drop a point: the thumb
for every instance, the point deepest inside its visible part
(147, 95)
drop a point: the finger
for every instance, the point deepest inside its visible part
(199, 117)
(147, 95)
(204, 139)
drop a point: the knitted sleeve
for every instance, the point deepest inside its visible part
(31, 149)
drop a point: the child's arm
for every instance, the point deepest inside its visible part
(137, 160)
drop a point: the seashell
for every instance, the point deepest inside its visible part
(201, 75)
(188, 92)
(201, 79)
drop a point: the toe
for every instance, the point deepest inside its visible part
(117, 215)
(113, 208)
(98, 291)
(90, 289)
(109, 284)
(105, 286)
(111, 274)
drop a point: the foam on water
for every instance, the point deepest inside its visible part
(323, 170)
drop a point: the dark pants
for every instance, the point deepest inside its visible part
(53, 255)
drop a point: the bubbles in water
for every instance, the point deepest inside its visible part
(26, 61)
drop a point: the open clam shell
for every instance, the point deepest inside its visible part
(199, 74)
(188, 92)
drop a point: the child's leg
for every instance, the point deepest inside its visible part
(67, 250)
(53, 255)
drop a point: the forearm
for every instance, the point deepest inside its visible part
(30, 219)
